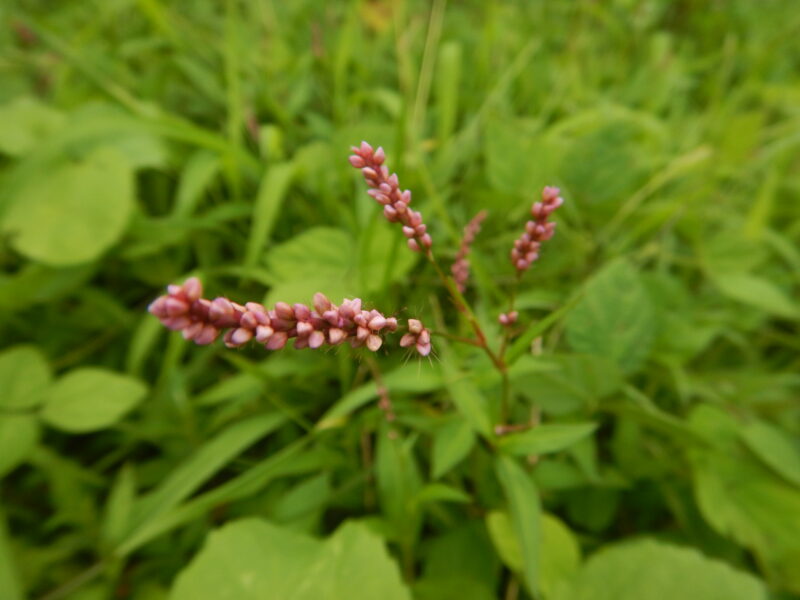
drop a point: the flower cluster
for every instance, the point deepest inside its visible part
(460, 267)
(417, 336)
(385, 189)
(526, 247)
(201, 320)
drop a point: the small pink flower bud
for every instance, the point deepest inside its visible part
(412, 243)
(221, 309)
(400, 207)
(503, 318)
(277, 341)
(321, 303)
(377, 323)
(206, 336)
(393, 181)
(158, 307)
(374, 342)
(336, 335)
(174, 290)
(390, 213)
(241, 336)
(304, 328)
(362, 333)
(409, 339)
(284, 311)
(365, 148)
(549, 193)
(193, 289)
(263, 333)
(176, 323)
(424, 337)
(379, 155)
(248, 321)
(408, 231)
(426, 240)
(357, 161)
(369, 173)
(391, 324)
(175, 307)
(301, 312)
(300, 343)
(415, 326)
(192, 330)
(316, 339)
(406, 196)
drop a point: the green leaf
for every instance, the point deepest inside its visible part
(505, 540)
(525, 510)
(614, 318)
(75, 213)
(24, 378)
(271, 195)
(545, 439)
(441, 492)
(648, 569)
(119, 507)
(91, 398)
(19, 435)
(252, 559)
(451, 444)
(776, 448)
(202, 464)
(561, 554)
(10, 584)
(197, 175)
(24, 123)
(758, 292)
(466, 396)
(744, 500)
(564, 384)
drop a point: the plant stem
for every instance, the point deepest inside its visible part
(463, 307)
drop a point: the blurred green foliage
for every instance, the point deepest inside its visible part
(143, 140)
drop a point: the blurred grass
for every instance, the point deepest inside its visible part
(673, 129)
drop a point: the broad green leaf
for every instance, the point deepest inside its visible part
(525, 511)
(19, 434)
(451, 444)
(564, 384)
(505, 541)
(252, 559)
(648, 569)
(91, 398)
(74, 214)
(758, 292)
(24, 123)
(544, 439)
(24, 378)
(561, 554)
(743, 499)
(271, 195)
(614, 318)
(10, 582)
(775, 447)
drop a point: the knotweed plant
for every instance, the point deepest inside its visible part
(325, 324)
